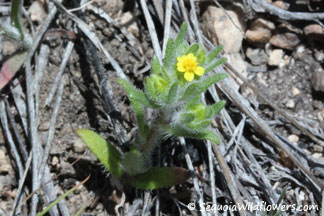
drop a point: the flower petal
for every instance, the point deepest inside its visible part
(180, 67)
(189, 76)
(199, 70)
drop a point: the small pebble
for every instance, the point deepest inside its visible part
(295, 91)
(293, 138)
(79, 146)
(317, 155)
(320, 116)
(286, 40)
(275, 57)
(290, 104)
(44, 126)
(55, 161)
(318, 148)
(5, 167)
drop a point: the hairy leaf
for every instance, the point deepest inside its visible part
(180, 130)
(213, 54)
(196, 88)
(181, 36)
(193, 49)
(169, 54)
(187, 117)
(214, 109)
(160, 177)
(137, 95)
(107, 154)
(156, 67)
(218, 62)
(173, 93)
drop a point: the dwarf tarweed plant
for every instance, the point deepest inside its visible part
(173, 93)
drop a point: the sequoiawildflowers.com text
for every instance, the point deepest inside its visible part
(262, 206)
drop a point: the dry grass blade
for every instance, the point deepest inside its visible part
(92, 36)
(276, 107)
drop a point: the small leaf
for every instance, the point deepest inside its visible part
(193, 49)
(173, 93)
(140, 117)
(165, 74)
(196, 88)
(198, 125)
(201, 56)
(107, 154)
(211, 136)
(137, 95)
(156, 67)
(214, 109)
(133, 163)
(169, 54)
(10, 67)
(160, 177)
(187, 117)
(213, 54)
(181, 36)
(182, 48)
(181, 130)
(218, 62)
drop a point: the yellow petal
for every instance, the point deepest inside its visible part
(199, 71)
(179, 59)
(180, 67)
(190, 55)
(189, 76)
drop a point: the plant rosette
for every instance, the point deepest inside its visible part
(173, 93)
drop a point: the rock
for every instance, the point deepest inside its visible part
(260, 35)
(285, 41)
(5, 167)
(291, 104)
(127, 19)
(318, 80)
(236, 61)
(9, 47)
(275, 57)
(318, 148)
(55, 161)
(281, 5)
(314, 32)
(295, 91)
(257, 56)
(317, 155)
(79, 146)
(322, 112)
(37, 10)
(319, 55)
(220, 29)
(112, 7)
(262, 23)
(44, 126)
(260, 31)
(293, 138)
(320, 116)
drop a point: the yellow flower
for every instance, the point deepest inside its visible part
(189, 66)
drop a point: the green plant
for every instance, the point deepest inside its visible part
(14, 31)
(173, 92)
